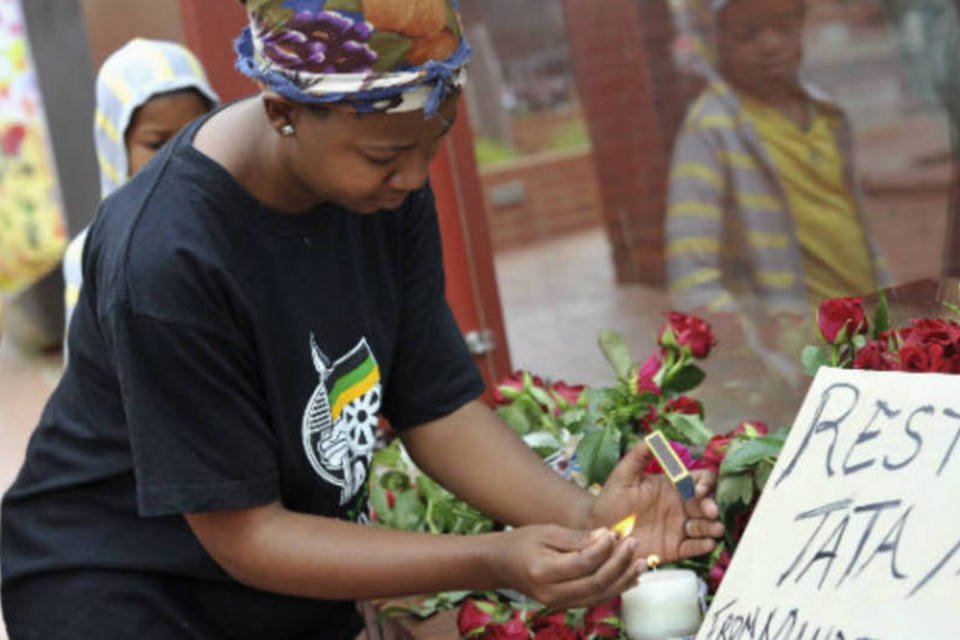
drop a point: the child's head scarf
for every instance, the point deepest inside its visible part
(384, 56)
(130, 77)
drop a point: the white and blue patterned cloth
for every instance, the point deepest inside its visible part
(128, 79)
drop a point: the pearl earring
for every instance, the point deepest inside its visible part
(287, 130)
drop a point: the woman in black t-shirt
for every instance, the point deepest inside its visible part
(252, 300)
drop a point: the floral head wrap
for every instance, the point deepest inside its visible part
(373, 55)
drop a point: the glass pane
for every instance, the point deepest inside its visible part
(640, 157)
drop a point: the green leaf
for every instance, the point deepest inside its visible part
(378, 498)
(516, 418)
(859, 341)
(575, 420)
(733, 490)
(762, 474)
(881, 317)
(395, 480)
(543, 398)
(749, 454)
(598, 453)
(617, 353)
(430, 490)
(683, 379)
(543, 443)
(813, 358)
(409, 510)
(689, 428)
(508, 391)
(389, 457)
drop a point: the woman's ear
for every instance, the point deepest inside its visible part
(281, 112)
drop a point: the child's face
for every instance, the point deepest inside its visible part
(158, 120)
(366, 163)
(759, 44)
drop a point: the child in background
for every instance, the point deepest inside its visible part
(764, 218)
(146, 92)
(764, 213)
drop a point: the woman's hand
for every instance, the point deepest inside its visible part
(666, 525)
(564, 568)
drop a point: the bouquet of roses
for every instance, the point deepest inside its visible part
(492, 618)
(930, 345)
(583, 432)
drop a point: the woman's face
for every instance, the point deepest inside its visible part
(759, 44)
(369, 162)
(158, 120)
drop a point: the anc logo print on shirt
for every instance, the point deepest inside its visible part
(340, 420)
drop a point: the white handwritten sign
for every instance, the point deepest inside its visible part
(857, 533)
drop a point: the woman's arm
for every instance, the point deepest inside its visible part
(475, 455)
(479, 458)
(274, 549)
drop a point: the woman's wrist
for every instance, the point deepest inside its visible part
(488, 554)
(583, 516)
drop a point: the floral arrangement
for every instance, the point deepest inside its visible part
(930, 345)
(582, 432)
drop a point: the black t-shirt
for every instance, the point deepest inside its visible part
(222, 355)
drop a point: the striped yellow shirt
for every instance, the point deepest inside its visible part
(836, 257)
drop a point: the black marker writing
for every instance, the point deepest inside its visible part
(876, 508)
(890, 544)
(866, 436)
(933, 572)
(950, 413)
(841, 398)
(824, 512)
(915, 436)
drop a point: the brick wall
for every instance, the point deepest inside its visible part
(633, 100)
(536, 131)
(539, 197)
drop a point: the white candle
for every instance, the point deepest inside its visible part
(664, 604)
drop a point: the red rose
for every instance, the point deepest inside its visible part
(715, 452)
(684, 404)
(550, 619)
(646, 373)
(688, 331)
(602, 620)
(554, 632)
(475, 614)
(718, 570)
(511, 630)
(874, 356)
(716, 449)
(760, 428)
(924, 358)
(513, 382)
(649, 419)
(553, 626)
(945, 333)
(570, 393)
(837, 314)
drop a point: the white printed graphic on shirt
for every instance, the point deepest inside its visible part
(340, 419)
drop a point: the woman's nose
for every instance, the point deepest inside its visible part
(772, 39)
(412, 172)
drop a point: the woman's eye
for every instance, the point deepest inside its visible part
(380, 161)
